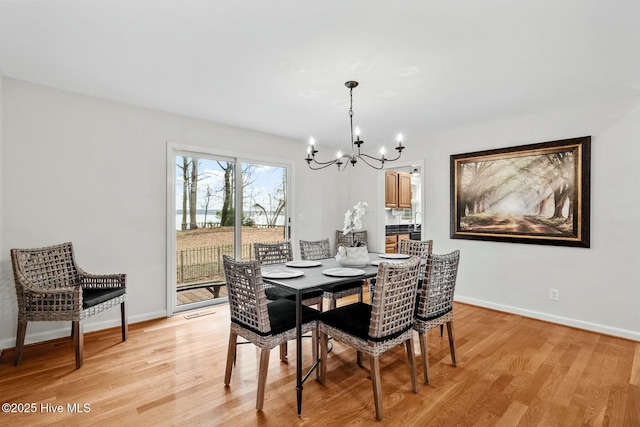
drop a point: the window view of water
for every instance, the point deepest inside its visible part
(212, 220)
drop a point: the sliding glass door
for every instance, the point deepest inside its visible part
(222, 206)
(264, 190)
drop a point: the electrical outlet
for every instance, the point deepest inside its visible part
(554, 294)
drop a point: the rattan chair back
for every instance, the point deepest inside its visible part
(419, 248)
(273, 253)
(51, 267)
(394, 298)
(247, 300)
(436, 296)
(315, 249)
(42, 269)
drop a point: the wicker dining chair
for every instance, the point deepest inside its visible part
(280, 253)
(374, 329)
(265, 324)
(435, 305)
(51, 287)
(320, 249)
(350, 239)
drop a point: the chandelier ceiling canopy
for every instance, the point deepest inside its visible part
(356, 154)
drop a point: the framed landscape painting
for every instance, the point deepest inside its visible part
(537, 193)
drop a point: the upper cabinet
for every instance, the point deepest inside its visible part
(391, 189)
(404, 190)
(397, 190)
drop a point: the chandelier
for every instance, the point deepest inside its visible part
(342, 160)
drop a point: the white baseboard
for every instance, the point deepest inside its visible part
(580, 324)
(87, 327)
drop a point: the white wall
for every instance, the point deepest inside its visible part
(91, 171)
(599, 287)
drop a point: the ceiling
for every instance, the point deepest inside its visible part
(279, 66)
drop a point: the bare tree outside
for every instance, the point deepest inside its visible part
(276, 203)
(227, 212)
(185, 189)
(206, 203)
(193, 194)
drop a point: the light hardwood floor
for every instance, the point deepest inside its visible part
(512, 371)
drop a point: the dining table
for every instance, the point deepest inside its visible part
(300, 276)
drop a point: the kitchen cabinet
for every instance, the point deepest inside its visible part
(404, 190)
(391, 189)
(397, 190)
(391, 242)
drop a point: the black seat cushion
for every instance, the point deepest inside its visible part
(94, 296)
(282, 315)
(353, 319)
(339, 287)
(275, 293)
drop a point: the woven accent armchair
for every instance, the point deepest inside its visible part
(435, 306)
(374, 329)
(320, 249)
(266, 325)
(51, 287)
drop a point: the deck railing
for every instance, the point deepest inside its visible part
(198, 264)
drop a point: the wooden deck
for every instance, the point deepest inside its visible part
(197, 295)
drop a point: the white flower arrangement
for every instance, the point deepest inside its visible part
(353, 219)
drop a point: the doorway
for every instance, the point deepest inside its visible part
(404, 202)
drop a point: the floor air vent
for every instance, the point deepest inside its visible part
(198, 314)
